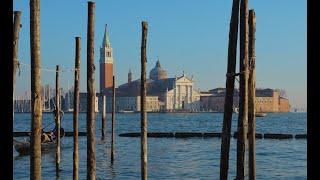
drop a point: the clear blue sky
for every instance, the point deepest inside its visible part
(189, 36)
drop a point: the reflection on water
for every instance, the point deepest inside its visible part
(170, 158)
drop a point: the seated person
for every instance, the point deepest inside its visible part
(45, 137)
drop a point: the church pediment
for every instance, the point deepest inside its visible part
(184, 79)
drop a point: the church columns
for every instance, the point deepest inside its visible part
(179, 96)
(174, 96)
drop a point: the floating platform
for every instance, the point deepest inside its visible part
(278, 136)
(186, 135)
(301, 136)
(211, 135)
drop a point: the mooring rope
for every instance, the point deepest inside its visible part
(50, 70)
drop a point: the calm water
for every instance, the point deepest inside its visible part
(170, 158)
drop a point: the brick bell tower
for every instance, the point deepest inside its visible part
(106, 63)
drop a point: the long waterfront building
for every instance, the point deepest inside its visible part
(267, 100)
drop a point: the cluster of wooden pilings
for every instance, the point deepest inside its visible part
(36, 111)
(246, 121)
(246, 118)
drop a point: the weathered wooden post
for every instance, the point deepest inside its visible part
(76, 109)
(103, 119)
(243, 100)
(36, 111)
(113, 119)
(143, 92)
(228, 105)
(16, 31)
(57, 121)
(91, 148)
(252, 96)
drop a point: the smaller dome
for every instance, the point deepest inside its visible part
(157, 72)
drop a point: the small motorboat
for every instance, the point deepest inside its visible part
(126, 111)
(261, 114)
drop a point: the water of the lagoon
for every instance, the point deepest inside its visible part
(171, 158)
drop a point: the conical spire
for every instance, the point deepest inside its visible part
(158, 63)
(106, 39)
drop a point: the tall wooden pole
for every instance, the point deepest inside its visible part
(76, 109)
(113, 120)
(252, 96)
(16, 31)
(243, 100)
(143, 92)
(228, 106)
(91, 148)
(103, 119)
(57, 121)
(36, 111)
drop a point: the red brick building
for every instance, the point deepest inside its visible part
(106, 63)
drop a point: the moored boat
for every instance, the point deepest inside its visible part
(23, 147)
(48, 141)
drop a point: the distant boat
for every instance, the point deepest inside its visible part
(236, 110)
(126, 111)
(261, 114)
(70, 110)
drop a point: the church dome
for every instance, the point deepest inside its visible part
(157, 72)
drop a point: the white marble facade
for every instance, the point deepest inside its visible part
(183, 95)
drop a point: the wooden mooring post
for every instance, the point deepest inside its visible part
(251, 97)
(76, 109)
(113, 119)
(143, 92)
(228, 106)
(57, 121)
(91, 148)
(103, 118)
(16, 31)
(243, 100)
(36, 111)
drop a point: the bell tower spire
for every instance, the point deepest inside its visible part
(129, 76)
(106, 38)
(106, 49)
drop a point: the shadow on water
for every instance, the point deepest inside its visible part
(20, 156)
(104, 160)
(112, 170)
(101, 141)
